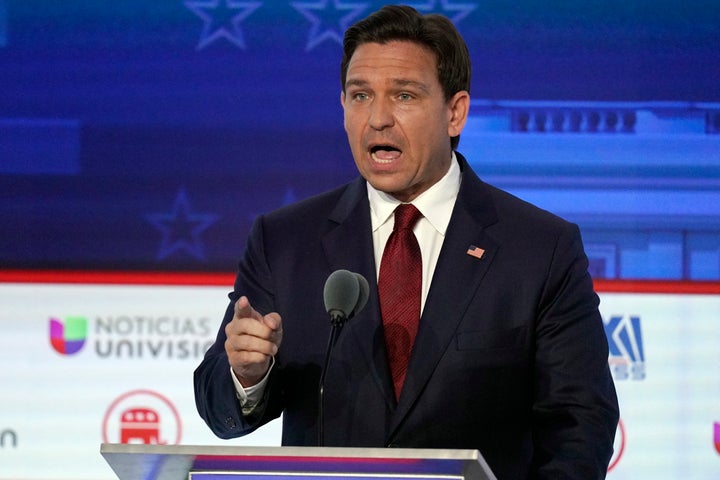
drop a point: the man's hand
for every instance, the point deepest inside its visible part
(252, 340)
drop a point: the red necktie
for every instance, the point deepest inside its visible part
(399, 285)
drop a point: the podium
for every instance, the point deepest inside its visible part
(187, 462)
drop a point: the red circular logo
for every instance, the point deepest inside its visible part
(142, 417)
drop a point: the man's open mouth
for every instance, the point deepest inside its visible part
(384, 153)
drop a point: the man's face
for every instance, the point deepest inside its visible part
(396, 117)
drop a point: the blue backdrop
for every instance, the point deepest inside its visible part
(147, 135)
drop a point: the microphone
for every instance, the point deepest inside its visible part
(341, 294)
(345, 294)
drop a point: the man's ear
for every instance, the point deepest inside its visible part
(458, 110)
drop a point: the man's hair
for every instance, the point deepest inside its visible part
(433, 32)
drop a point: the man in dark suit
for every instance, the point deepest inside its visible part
(510, 355)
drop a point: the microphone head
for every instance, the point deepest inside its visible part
(341, 293)
(364, 294)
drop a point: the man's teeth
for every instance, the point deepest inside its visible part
(380, 160)
(385, 155)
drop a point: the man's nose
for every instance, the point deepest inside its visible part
(381, 115)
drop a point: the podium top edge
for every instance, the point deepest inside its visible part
(310, 452)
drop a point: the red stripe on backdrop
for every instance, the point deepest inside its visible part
(117, 277)
(227, 279)
(658, 286)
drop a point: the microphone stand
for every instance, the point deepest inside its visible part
(337, 320)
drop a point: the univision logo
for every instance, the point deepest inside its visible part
(68, 336)
(132, 336)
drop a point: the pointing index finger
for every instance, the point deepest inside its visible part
(243, 309)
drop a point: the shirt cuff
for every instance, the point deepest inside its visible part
(250, 397)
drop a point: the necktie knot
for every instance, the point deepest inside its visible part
(406, 216)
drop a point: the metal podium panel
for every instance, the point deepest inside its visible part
(315, 476)
(183, 462)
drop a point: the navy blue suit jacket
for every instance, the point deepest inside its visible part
(510, 357)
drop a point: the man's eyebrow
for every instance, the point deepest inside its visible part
(399, 82)
(355, 82)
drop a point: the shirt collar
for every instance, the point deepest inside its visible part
(436, 203)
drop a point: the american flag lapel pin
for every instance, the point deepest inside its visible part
(476, 252)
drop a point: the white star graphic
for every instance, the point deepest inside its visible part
(461, 10)
(222, 19)
(328, 20)
(181, 228)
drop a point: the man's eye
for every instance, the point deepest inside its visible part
(405, 97)
(360, 97)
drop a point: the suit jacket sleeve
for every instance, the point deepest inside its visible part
(215, 396)
(575, 411)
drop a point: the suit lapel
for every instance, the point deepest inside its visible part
(347, 242)
(457, 278)
(348, 245)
